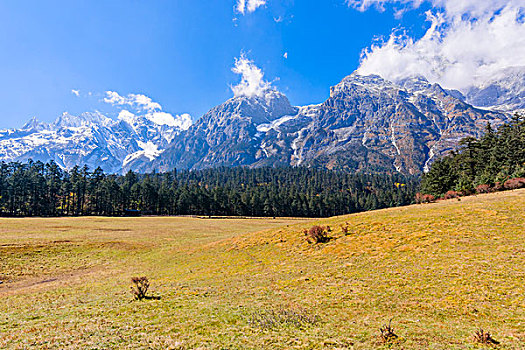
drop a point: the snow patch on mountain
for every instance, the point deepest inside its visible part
(274, 124)
(148, 150)
(94, 139)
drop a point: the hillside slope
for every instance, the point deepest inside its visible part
(439, 271)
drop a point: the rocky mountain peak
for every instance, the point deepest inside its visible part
(67, 120)
(34, 124)
(93, 139)
(414, 84)
(260, 109)
(360, 82)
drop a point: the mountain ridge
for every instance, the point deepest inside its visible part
(90, 138)
(366, 124)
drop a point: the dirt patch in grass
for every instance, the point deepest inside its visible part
(31, 285)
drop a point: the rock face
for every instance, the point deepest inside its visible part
(367, 124)
(227, 135)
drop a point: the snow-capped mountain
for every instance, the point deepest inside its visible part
(504, 92)
(93, 139)
(226, 135)
(367, 124)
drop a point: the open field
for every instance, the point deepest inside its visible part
(439, 271)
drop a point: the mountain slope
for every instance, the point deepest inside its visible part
(367, 124)
(225, 136)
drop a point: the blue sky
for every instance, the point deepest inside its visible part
(180, 53)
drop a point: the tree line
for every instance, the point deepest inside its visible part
(44, 189)
(493, 162)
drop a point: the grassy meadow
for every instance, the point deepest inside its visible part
(439, 272)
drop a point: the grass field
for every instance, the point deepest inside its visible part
(438, 271)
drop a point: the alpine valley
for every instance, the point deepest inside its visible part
(367, 124)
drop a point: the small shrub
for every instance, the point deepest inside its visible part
(428, 198)
(318, 234)
(140, 287)
(451, 195)
(424, 198)
(484, 188)
(387, 333)
(514, 184)
(498, 186)
(345, 229)
(485, 338)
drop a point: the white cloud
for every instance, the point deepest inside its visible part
(146, 108)
(126, 116)
(252, 82)
(144, 102)
(454, 7)
(182, 121)
(248, 6)
(114, 98)
(468, 42)
(138, 101)
(363, 5)
(75, 92)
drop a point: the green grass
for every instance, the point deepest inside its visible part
(439, 271)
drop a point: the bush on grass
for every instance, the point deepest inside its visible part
(317, 234)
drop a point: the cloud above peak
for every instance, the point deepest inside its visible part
(138, 101)
(249, 6)
(145, 107)
(467, 42)
(252, 78)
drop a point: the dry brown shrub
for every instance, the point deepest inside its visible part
(387, 333)
(514, 184)
(484, 188)
(485, 338)
(424, 198)
(140, 287)
(345, 229)
(451, 195)
(318, 234)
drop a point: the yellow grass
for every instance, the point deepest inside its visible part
(439, 271)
